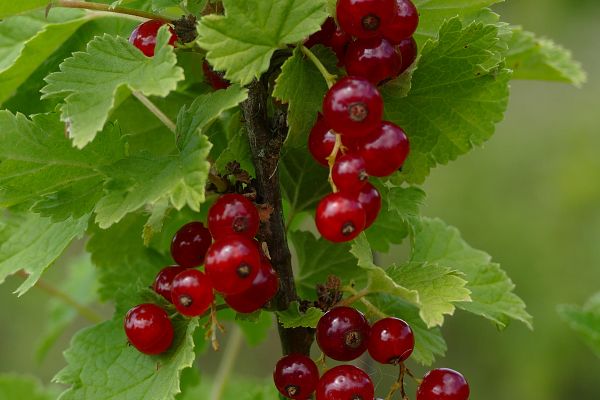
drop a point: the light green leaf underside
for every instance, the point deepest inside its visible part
(585, 321)
(294, 318)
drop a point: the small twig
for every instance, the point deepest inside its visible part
(329, 78)
(370, 306)
(232, 350)
(214, 325)
(354, 298)
(331, 159)
(106, 8)
(155, 110)
(413, 377)
(398, 385)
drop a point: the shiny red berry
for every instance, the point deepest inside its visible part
(353, 107)
(375, 59)
(349, 173)
(296, 376)
(384, 150)
(370, 199)
(404, 24)
(408, 49)
(144, 36)
(233, 214)
(192, 293)
(391, 341)
(331, 36)
(190, 244)
(365, 18)
(164, 281)
(215, 79)
(340, 217)
(345, 382)
(263, 289)
(443, 384)
(232, 263)
(149, 329)
(343, 333)
(321, 141)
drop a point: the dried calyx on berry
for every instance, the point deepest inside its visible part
(186, 28)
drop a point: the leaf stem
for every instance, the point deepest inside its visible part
(331, 159)
(155, 110)
(354, 298)
(106, 8)
(329, 78)
(232, 350)
(370, 306)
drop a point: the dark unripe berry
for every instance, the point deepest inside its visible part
(232, 263)
(370, 199)
(375, 59)
(353, 107)
(391, 341)
(343, 333)
(321, 141)
(164, 281)
(192, 293)
(144, 36)
(345, 382)
(233, 214)
(384, 150)
(409, 50)
(340, 217)
(349, 173)
(296, 376)
(404, 24)
(443, 384)
(365, 18)
(263, 289)
(215, 79)
(190, 244)
(149, 329)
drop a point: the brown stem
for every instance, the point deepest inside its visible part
(105, 8)
(266, 136)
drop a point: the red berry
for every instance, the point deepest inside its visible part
(190, 244)
(345, 382)
(375, 59)
(232, 263)
(408, 49)
(349, 173)
(391, 341)
(404, 24)
(214, 78)
(343, 333)
(192, 293)
(331, 36)
(149, 329)
(340, 217)
(164, 281)
(370, 199)
(144, 36)
(384, 150)
(233, 214)
(365, 18)
(443, 384)
(353, 107)
(321, 141)
(296, 376)
(263, 288)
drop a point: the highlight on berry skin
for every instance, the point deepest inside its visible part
(144, 36)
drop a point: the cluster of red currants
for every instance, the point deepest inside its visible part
(234, 266)
(344, 334)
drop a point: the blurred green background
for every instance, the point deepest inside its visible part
(531, 198)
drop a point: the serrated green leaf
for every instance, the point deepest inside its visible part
(8, 8)
(456, 97)
(101, 365)
(90, 81)
(242, 41)
(294, 318)
(13, 386)
(585, 321)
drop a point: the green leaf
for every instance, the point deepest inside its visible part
(294, 318)
(456, 98)
(13, 386)
(242, 41)
(8, 8)
(102, 365)
(539, 58)
(33, 243)
(491, 289)
(585, 321)
(90, 81)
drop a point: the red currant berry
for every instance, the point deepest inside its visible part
(190, 244)
(375, 59)
(404, 23)
(353, 107)
(144, 36)
(321, 141)
(215, 79)
(192, 293)
(349, 173)
(365, 18)
(391, 341)
(232, 263)
(384, 150)
(343, 333)
(443, 384)
(345, 382)
(263, 289)
(164, 281)
(296, 376)
(331, 36)
(340, 217)
(408, 49)
(149, 329)
(370, 199)
(233, 214)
